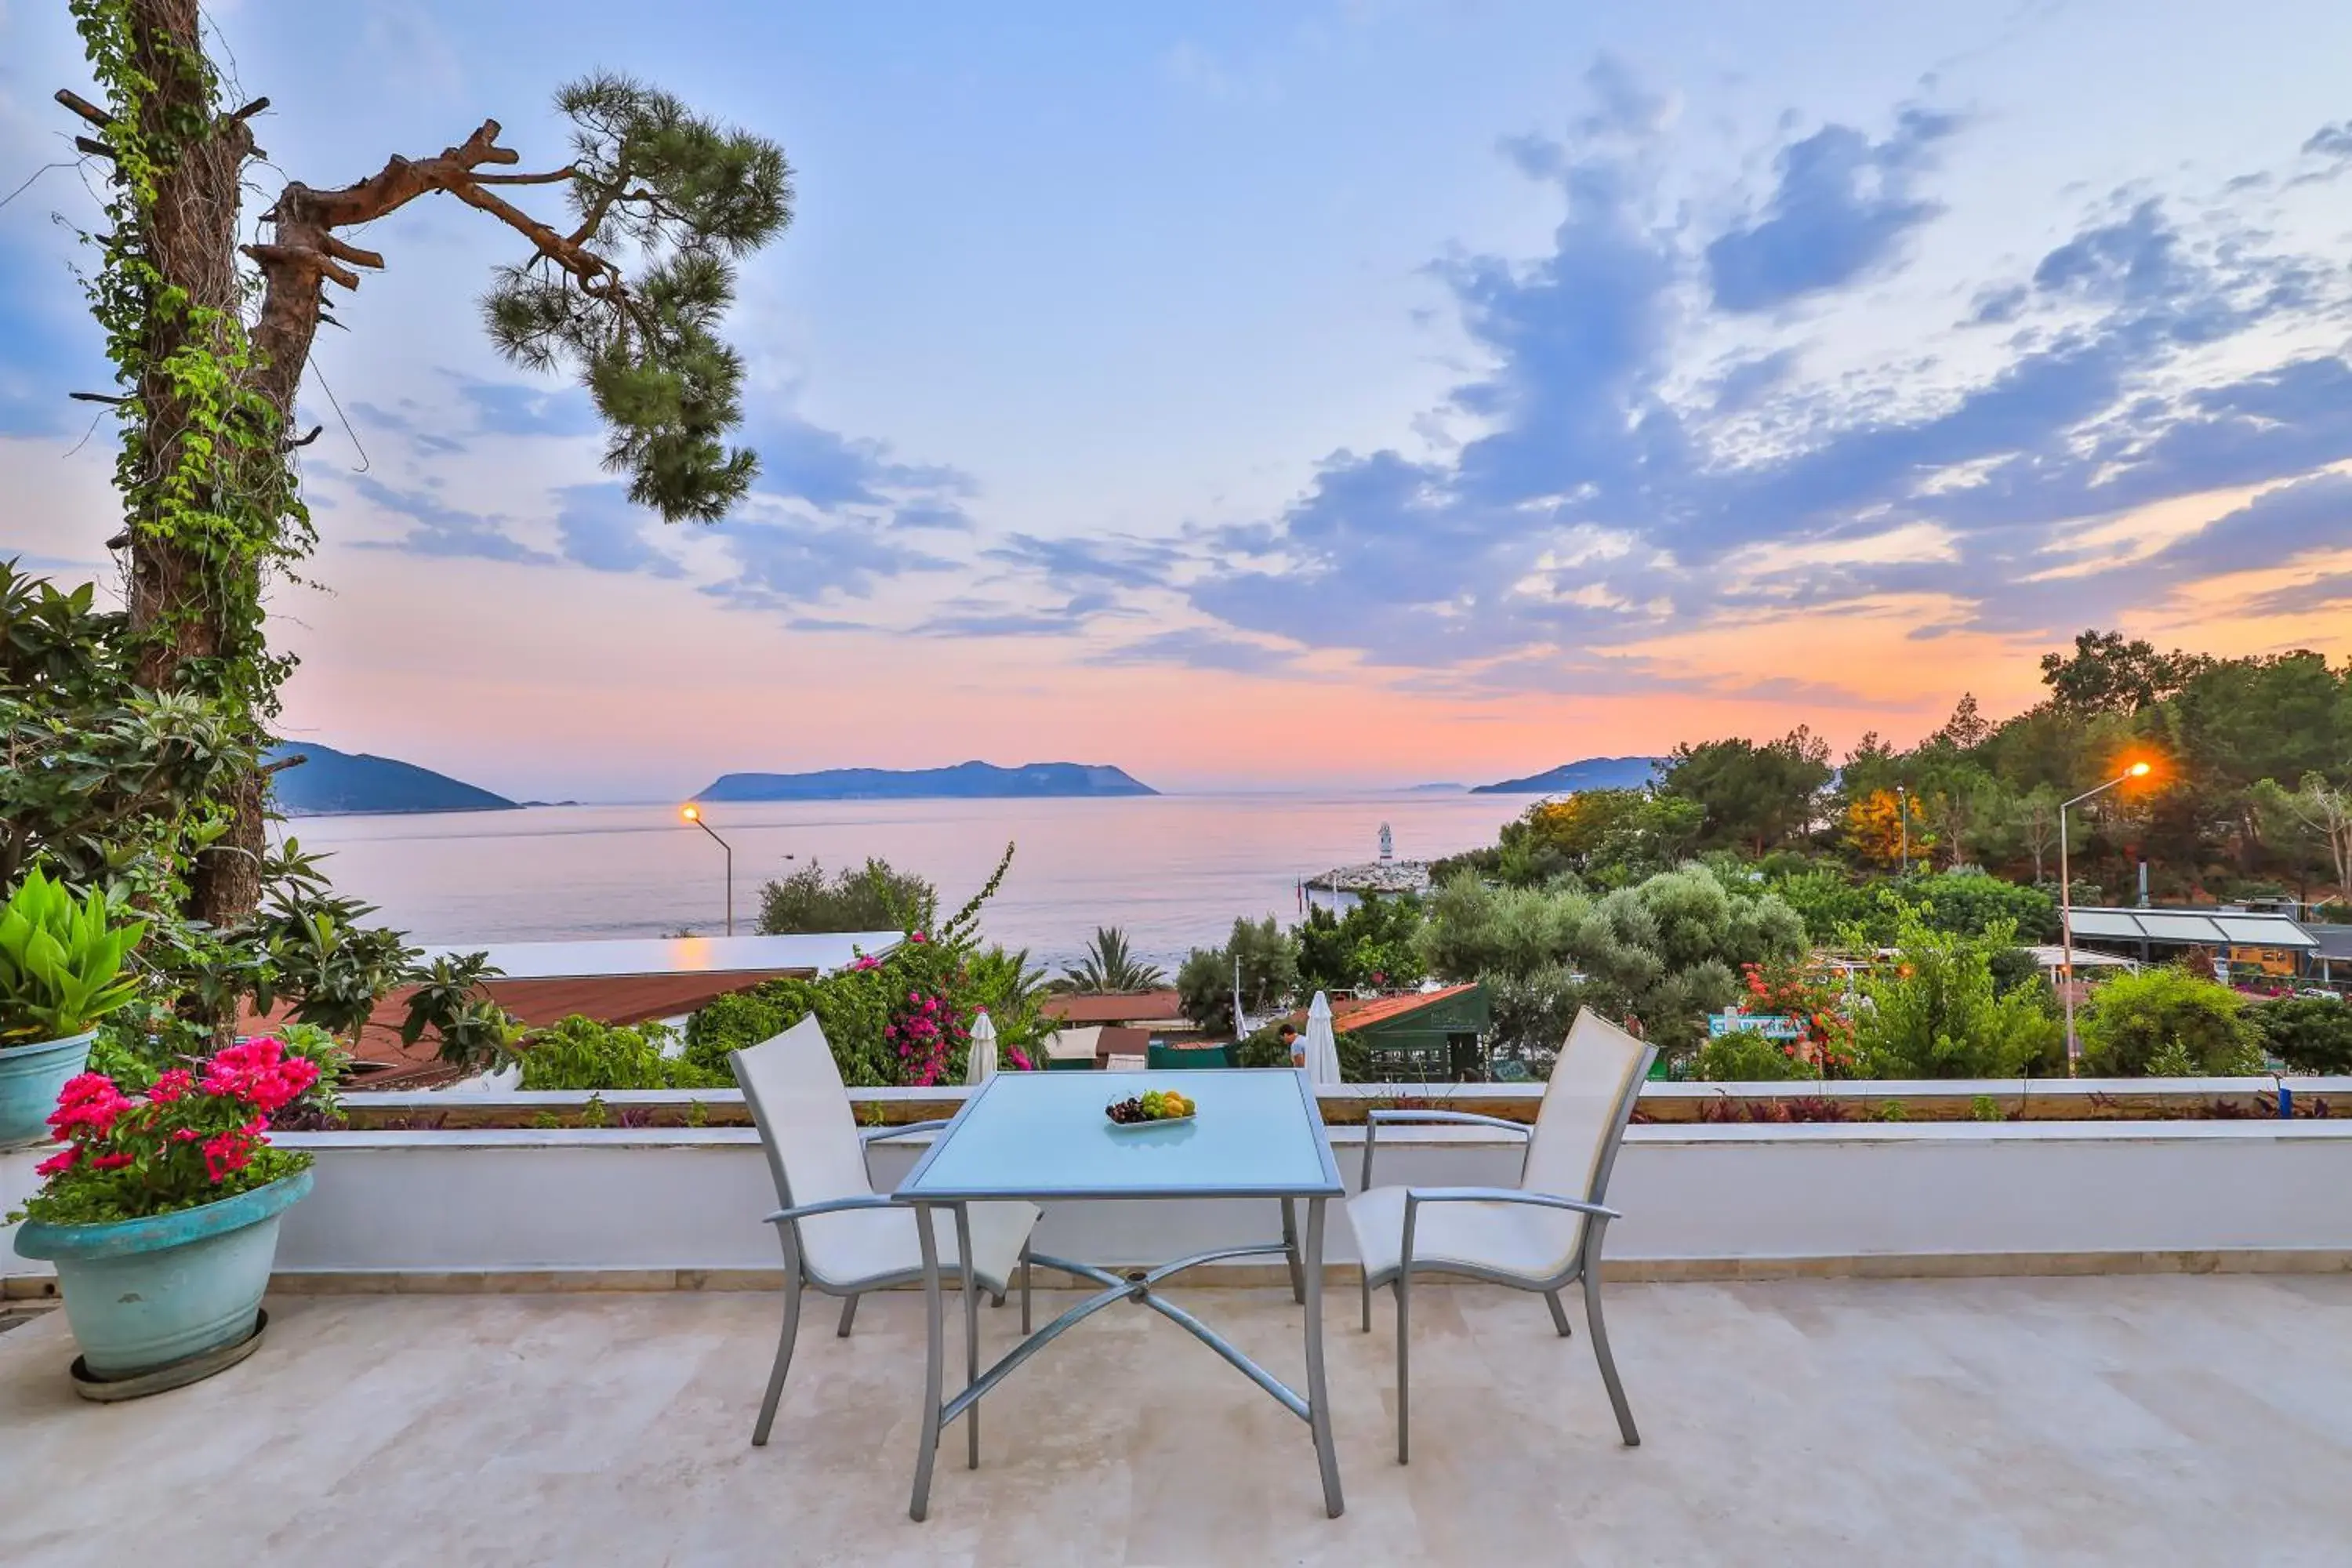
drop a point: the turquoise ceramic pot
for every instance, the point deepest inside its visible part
(143, 1293)
(30, 1077)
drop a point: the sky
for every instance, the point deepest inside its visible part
(1337, 394)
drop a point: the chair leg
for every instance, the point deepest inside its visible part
(1024, 1288)
(1403, 1288)
(1364, 1278)
(848, 1316)
(1600, 1331)
(783, 1356)
(1559, 1313)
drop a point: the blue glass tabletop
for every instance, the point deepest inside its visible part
(1257, 1133)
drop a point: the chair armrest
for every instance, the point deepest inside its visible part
(1417, 1196)
(834, 1205)
(876, 1134)
(1457, 1118)
(1503, 1196)
(1375, 1120)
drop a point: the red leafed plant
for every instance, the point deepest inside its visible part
(198, 1134)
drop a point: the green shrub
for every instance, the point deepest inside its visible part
(2166, 1017)
(580, 1053)
(1935, 1012)
(2310, 1034)
(1744, 1055)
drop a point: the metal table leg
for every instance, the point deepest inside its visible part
(1290, 1250)
(1318, 1397)
(970, 1333)
(927, 1443)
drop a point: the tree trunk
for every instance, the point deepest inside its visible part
(177, 591)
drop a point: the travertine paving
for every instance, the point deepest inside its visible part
(2125, 1420)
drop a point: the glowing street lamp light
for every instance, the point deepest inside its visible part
(2066, 908)
(692, 813)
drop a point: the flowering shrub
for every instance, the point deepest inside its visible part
(198, 1134)
(922, 1033)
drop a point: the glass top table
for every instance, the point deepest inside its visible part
(1044, 1138)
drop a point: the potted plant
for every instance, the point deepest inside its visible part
(61, 972)
(161, 1212)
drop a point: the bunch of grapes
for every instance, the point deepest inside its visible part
(1152, 1105)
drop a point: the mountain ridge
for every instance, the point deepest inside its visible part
(963, 781)
(1590, 773)
(330, 782)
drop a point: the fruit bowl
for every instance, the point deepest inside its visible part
(1152, 1108)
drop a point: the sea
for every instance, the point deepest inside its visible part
(1173, 870)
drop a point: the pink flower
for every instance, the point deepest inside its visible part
(59, 1162)
(110, 1162)
(89, 1100)
(170, 1086)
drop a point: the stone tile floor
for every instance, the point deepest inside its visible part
(2125, 1420)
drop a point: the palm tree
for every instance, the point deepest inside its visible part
(1108, 967)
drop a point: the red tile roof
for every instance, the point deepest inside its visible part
(1362, 1012)
(1114, 1007)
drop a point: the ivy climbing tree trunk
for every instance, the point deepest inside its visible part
(208, 492)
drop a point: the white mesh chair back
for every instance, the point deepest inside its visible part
(797, 1099)
(1585, 1107)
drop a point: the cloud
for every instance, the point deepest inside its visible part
(442, 531)
(1611, 492)
(526, 408)
(1111, 561)
(1840, 205)
(599, 528)
(1200, 649)
(47, 349)
(794, 559)
(802, 462)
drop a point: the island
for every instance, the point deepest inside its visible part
(329, 783)
(1593, 772)
(965, 781)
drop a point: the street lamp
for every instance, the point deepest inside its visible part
(2066, 908)
(1903, 818)
(693, 813)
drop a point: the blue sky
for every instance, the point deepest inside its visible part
(1349, 393)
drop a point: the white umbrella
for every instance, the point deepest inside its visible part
(1322, 1049)
(983, 1049)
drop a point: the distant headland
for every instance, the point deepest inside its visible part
(1593, 772)
(965, 781)
(329, 783)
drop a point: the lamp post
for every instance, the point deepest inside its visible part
(2066, 908)
(1903, 820)
(693, 813)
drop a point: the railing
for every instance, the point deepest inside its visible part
(1924, 1100)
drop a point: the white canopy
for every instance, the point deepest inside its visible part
(983, 1049)
(1321, 1048)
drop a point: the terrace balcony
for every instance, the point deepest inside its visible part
(2149, 1420)
(1860, 1341)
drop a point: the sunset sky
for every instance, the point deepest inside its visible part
(1356, 393)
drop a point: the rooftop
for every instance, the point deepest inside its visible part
(2168, 1418)
(1114, 1006)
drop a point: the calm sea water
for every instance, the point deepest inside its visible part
(1173, 870)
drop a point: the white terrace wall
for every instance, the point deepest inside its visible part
(669, 1206)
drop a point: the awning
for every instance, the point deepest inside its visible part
(2192, 928)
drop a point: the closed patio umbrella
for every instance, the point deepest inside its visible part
(983, 1049)
(1322, 1049)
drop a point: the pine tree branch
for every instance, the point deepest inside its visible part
(552, 177)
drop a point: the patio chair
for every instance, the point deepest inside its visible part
(840, 1237)
(1543, 1234)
